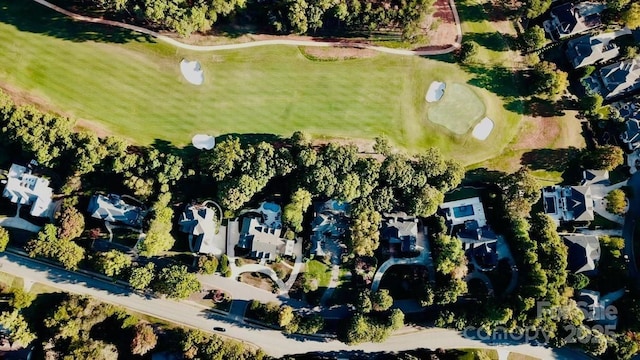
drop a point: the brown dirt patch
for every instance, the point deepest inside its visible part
(440, 26)
(336, 53)
(258, 280)
(537, 133)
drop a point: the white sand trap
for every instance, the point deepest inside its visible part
(203, 142)
(435, 92)
(192, 71)
(483, 129)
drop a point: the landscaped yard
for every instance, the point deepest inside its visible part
(127, 84)
(281, 270)
(259, 280)
(319, 271)
(470, 354)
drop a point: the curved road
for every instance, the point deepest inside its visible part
(273, 342)
(182, 45)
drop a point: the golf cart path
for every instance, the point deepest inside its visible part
(181, 45)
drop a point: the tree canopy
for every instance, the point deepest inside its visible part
(176, 282)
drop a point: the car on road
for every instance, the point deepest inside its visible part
(220, 329)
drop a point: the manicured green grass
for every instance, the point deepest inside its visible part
(458, 109)
(321, 271)
(126, 84)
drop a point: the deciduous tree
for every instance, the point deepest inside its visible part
(365, 233)
(4, 238)
(71, 223)
(616, 202)
(176, 282)
(112, 262)
(631, 17)
(144, 339)
(142, 276)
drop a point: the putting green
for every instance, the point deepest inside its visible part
(458, 109)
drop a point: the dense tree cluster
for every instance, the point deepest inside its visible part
(293, 16)
(17, 326)
(28, 133)
(49, 245)
(605, 157)
(176, 282)
(616, 202)
(142, 276)
(286, 318)
(533, 38)
(194, 344)
(535, 8)
(70, 223)
(548, 80)
(331, 171)
(293, 213)
(207, 264)
(159, 238)
(112, 263)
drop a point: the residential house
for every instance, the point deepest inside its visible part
(261, 241)
(480, 244)
(617, 79)
(592, 49)
(460, 211)
(400, 231)
(330, 223)
(568, 203)
(589, 303)
(595, 177)
(112, 208)
(630, 113)
(573, 18)
(467, 220)
(584, 253)
(200, 222)
(261, 237)
(594, 306)
(24, 188)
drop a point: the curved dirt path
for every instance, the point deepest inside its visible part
(181, 45)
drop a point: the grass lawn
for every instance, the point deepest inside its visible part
(516, 356)
(320, 271)
(458, 110)
(124, 83)
(11, 281)
(471, 354)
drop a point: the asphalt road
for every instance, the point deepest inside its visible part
(273, 342)
(630, 223)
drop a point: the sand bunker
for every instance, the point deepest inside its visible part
(203, 142)
(192, 71)
(435, 92)
(483, 129)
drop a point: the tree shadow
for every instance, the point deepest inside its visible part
(550, 159)
(419, 353)
(493, 41)
(499, 80)
(471, 12)
(31, 17)
(535, 107)
(251, 139)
